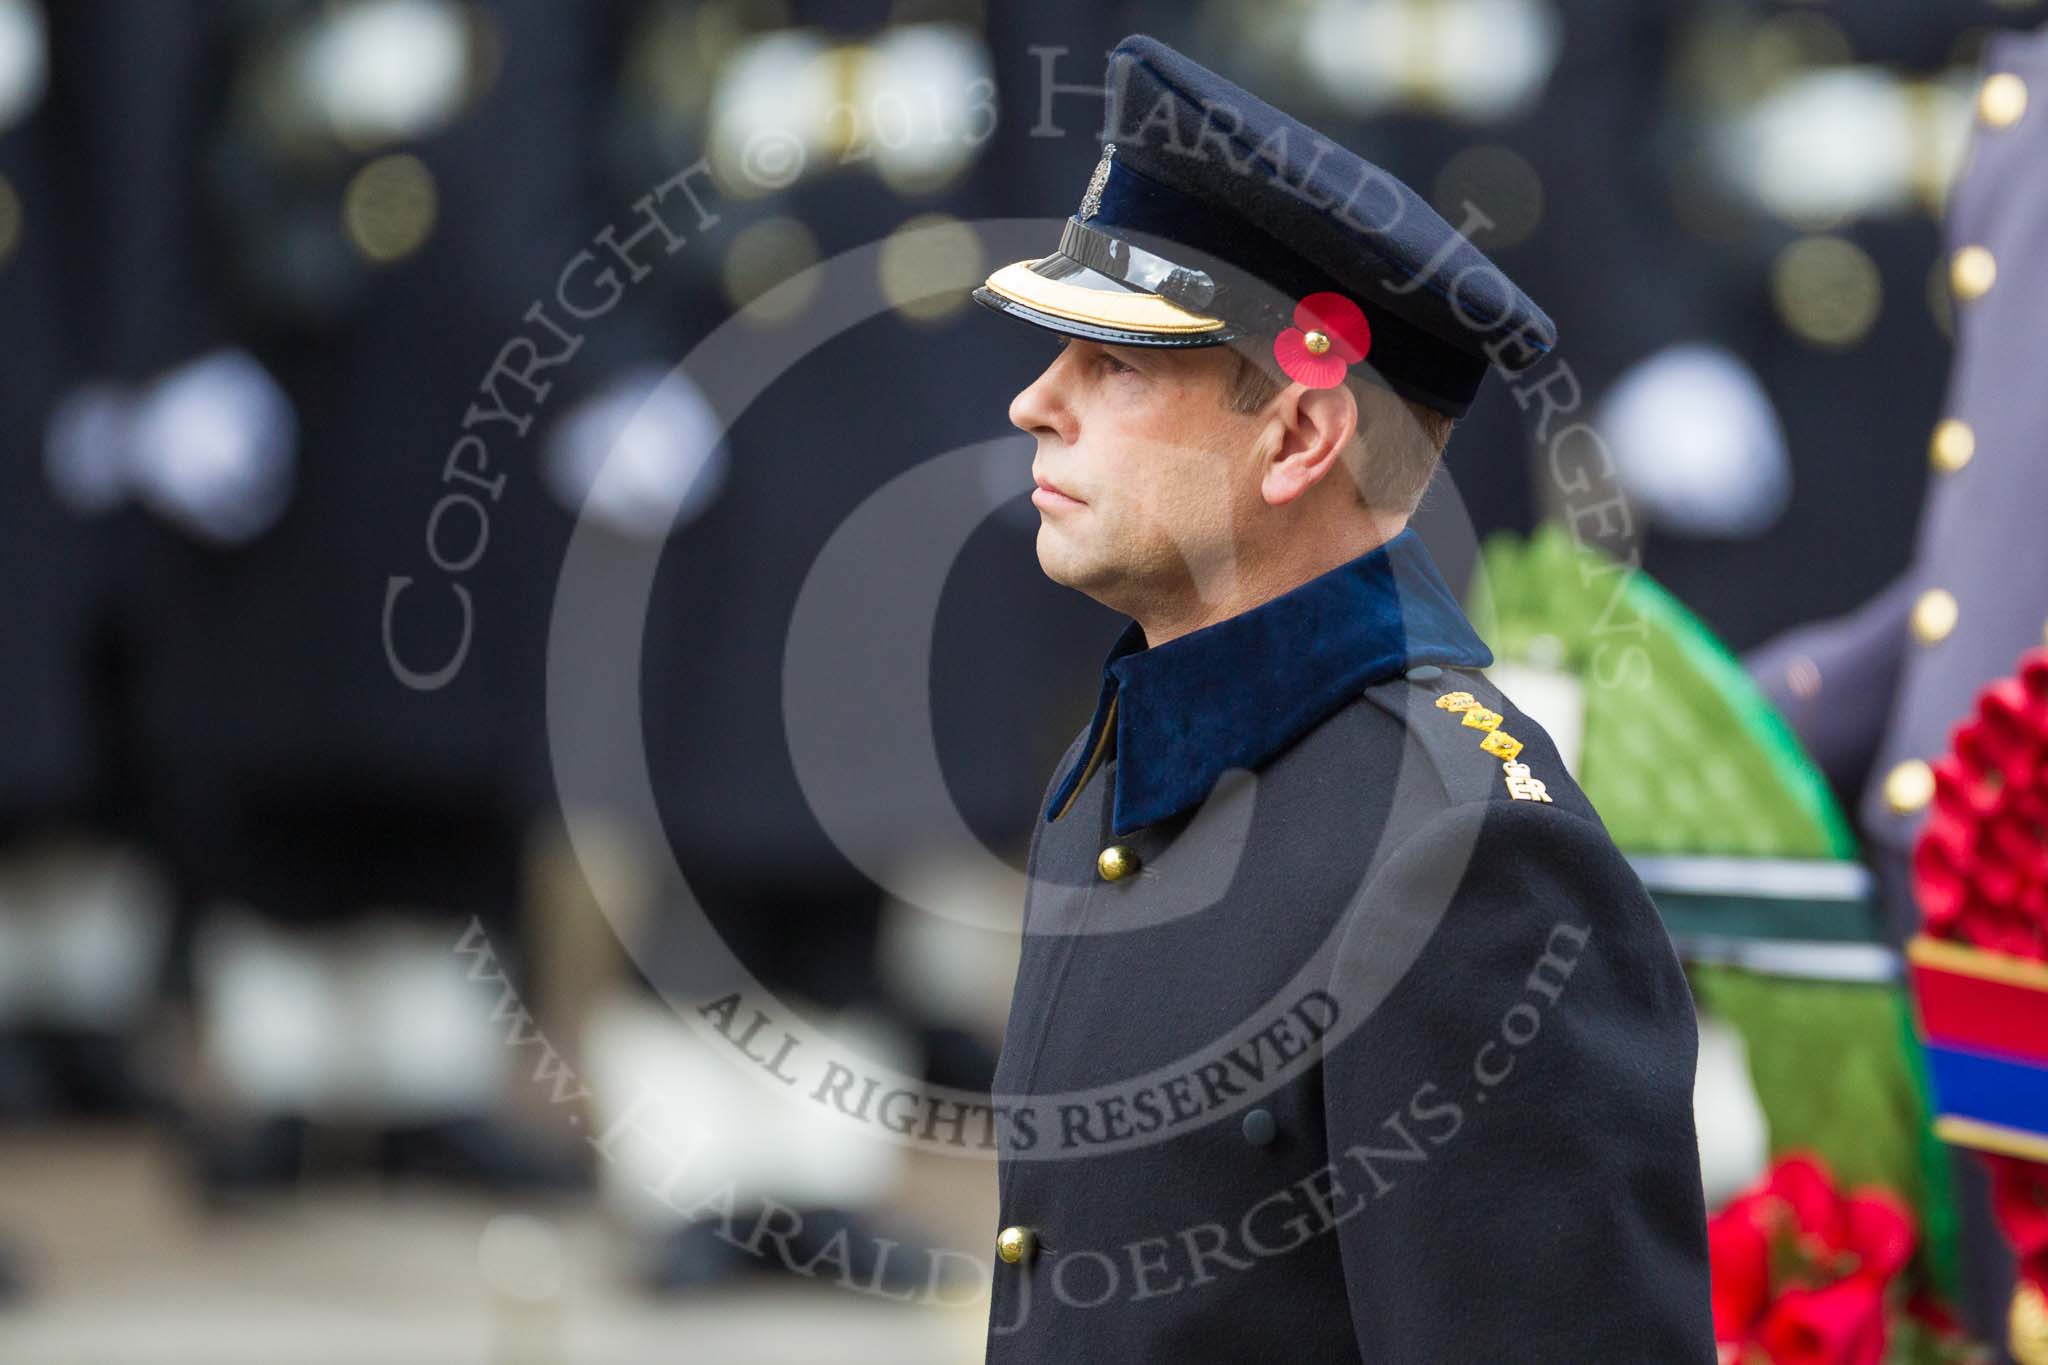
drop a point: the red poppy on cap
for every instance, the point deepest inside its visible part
(1329, 336)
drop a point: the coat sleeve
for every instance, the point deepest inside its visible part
(1861, 656)
(1510, 1115)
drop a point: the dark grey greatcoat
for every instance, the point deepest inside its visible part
(1362, 1057)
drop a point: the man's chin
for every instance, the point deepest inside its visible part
(1062, 560)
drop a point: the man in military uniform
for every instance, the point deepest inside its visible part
(1341, 1029)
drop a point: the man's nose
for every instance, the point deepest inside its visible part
(1042, 408)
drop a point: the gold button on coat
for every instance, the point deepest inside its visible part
(1954, 445)
(1116, 862)
(1973, 273)
(1934, 616)
(1909, 787)
(1014, 1244)
(2002, 100)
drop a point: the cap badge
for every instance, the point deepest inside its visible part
(1091, 199)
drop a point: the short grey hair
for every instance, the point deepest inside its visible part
(1398, 444)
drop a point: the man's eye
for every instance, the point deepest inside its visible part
(1116, 366)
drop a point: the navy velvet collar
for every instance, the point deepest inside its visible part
(1236, 693)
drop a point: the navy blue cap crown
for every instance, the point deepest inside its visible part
(1212, 214)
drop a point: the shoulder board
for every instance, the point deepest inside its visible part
(1466, 727)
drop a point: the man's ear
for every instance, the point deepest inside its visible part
(1313, 427)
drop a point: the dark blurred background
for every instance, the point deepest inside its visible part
(262, 268)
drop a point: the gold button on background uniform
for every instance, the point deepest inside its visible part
(1953, 446)
(1116, 863)
(1973, 273)
(1934, 616)
(1014, 1244)
(2002, 100)
(1909, 787)
(389, 208)
(2027, 1326)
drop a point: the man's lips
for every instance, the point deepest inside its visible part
(1049, 494)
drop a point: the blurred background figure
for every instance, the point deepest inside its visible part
(296, 302)
(328, 326)
(1876, 693)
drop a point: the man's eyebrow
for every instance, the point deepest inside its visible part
(1129, 355)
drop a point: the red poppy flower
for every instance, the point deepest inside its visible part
(1329, 336)
(1739, 1246)
(1801, 1271)
(1880, 1232)
(1804, 1183)
(1842, 1324)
